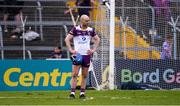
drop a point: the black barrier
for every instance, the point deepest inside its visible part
(161, 73)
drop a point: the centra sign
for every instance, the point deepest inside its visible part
(35, 75)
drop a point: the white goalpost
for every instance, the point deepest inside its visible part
(111, 48)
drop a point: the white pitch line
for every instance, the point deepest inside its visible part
(121, 98)
(53, 97)
(87, 98)
(22, 97)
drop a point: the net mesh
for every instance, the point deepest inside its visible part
(139, 42)
(146, 23)
(101, 63)
(140, 30)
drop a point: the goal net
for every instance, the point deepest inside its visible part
(140, 30)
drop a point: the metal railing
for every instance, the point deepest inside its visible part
(29, 54)
(38, 22)
(40, 18)
(1, 42)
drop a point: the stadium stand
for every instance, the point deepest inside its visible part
(140, 18)
(53, 21)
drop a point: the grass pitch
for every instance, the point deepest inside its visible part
(115, 97)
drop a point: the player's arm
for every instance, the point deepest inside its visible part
(68, 39)
(96, 40)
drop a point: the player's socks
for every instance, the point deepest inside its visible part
(72, 95)
(82, 94)
(73, 91)
(82, 90)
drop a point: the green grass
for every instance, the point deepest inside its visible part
(115, 97)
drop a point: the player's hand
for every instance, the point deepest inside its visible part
(72, 51)
(91, 51)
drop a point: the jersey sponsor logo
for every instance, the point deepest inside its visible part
(83, 38)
